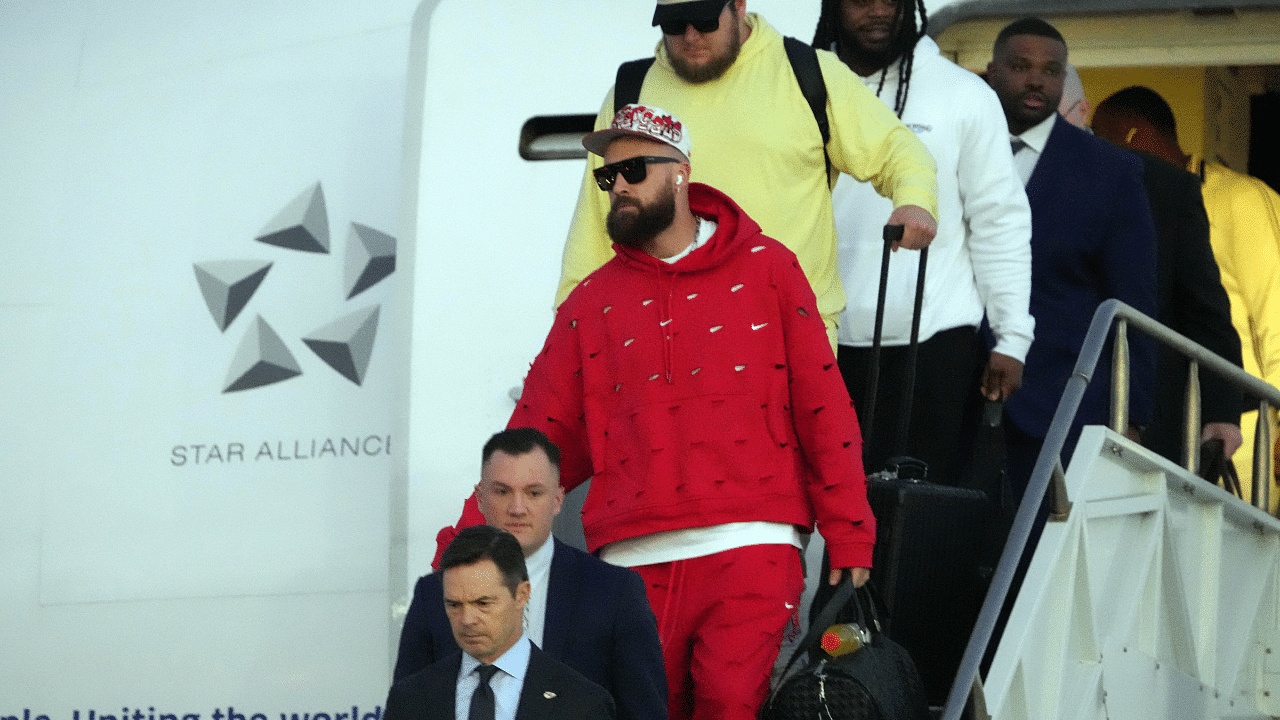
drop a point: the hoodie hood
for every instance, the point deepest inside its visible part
(733, 229)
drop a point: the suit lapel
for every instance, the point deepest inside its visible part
(445, 687)
(533, 703)
(562, 588)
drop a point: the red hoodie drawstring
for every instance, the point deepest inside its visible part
(675, 587)
(667, 355)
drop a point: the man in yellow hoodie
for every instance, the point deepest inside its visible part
(726, 74)
(1244, 230)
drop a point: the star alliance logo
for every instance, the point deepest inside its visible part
(344, 344)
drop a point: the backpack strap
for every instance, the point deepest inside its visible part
(804, 63)
(626, 87)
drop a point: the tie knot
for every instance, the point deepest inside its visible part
(486, 673)
(1017, 144)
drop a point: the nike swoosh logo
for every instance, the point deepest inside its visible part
(757, 327)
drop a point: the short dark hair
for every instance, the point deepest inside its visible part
(483, 542)
(519, 441)
(1027, 26)
(1145, 103)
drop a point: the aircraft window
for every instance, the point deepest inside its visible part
(1214, 12)
(555, 137)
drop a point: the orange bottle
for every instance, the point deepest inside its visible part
(842, 639)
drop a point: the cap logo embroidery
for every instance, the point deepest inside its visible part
(643, 119)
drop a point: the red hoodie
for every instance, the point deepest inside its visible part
(699, 393)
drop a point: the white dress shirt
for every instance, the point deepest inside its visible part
(1034, 140)
(535, 612)
(506, 683)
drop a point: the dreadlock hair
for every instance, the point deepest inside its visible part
(1145, 103)
(828, 33)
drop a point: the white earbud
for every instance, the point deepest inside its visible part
(679, 179)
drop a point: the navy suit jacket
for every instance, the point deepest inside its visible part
(551, 691)
(1092, 238)
(598, 622)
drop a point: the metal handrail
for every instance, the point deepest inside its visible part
(1108, 313)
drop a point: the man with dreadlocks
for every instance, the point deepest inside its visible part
(980, 258)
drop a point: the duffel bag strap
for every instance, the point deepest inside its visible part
(812, 639)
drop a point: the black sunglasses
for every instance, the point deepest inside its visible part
(633, 170)
(708, 25)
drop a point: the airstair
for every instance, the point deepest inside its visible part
(1152, 594)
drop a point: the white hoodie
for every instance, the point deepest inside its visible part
(981, 257)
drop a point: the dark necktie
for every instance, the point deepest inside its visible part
(1016, 144)
(482, 699)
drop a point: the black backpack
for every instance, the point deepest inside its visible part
(804, 63)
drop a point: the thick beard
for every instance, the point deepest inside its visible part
(1023, 119)
(638, 229)
(715, 67)
(851, 49)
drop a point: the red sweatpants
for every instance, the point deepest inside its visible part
(721, 618)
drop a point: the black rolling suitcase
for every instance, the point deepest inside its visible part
(927, 568)
(928, 563)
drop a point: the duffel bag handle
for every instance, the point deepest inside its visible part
(812, 640)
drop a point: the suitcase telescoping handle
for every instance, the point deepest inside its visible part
(893, 234)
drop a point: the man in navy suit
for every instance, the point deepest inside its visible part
(590, 615)
(502, 675)
(1092, 238)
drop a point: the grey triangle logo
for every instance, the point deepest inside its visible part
(302, 225)
(262, 359)
(347, 344)
(228, 285)
(371, 257)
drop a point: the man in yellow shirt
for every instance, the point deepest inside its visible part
(1244, 229)
(725, 73)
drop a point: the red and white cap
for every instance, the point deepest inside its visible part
(643, 121)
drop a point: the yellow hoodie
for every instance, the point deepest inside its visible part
(754, 139)
(1244, 229)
